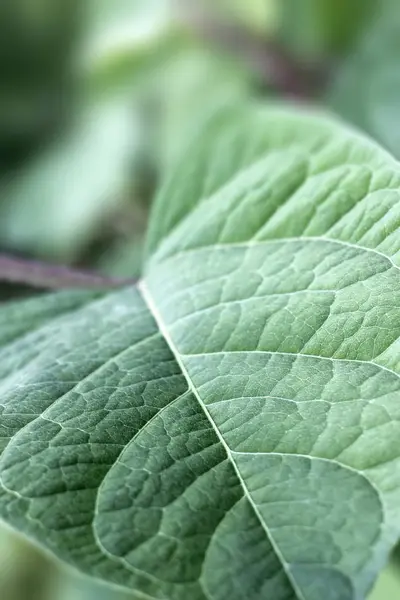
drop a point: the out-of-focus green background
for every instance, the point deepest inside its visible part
(97, 101)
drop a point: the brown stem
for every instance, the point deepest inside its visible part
(274, 66)
(50, 276)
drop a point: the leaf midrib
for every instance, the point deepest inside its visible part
(164, 331)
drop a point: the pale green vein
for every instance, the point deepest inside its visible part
(281, 240)
(295, 355)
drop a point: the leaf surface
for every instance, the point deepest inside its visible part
(229, 428)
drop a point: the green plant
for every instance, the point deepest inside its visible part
(372, 102)
(228, 427)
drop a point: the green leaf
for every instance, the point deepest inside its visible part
(36, 41)
(186, 74)
(388, 585)
(22, 563)
(315, 29)
(122, 41)
(366, 90)
(257, 15)
(57, 201)
(229, 428)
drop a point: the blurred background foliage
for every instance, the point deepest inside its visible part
(97, 102)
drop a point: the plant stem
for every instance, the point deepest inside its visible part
(50, 276)
(274, 66)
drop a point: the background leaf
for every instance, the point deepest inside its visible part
(321, 28)
(56, 203)
(366, 90)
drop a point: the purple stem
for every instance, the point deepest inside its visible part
(50, 276)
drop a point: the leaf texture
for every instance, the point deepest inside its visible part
(229, 428)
